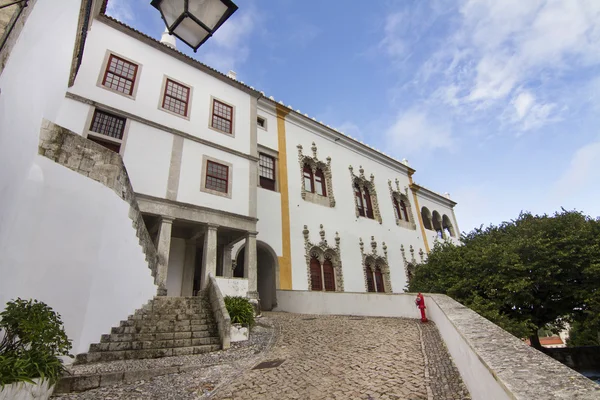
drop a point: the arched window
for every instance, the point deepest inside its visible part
(370, 279)
(436, 221)
(308, 179)
(316, 277)
(447, 226)
(426, 215)
(397, 209)
(320, 183)
(404, 210)
(379, 280)
(359, 200)
(328, 276)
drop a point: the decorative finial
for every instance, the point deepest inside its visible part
(314, 149)
(384, 249)
(337, 239)
(305, 232)
(362, 245)
(322, 234)
(361, 171)
(373, 244)
(421, 254)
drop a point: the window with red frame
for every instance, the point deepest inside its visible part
(120, 75)
(320, 183)
(328, 276)
(404, 210)
(222, 118)
(367, 204)
(266, 166)
(217, 176)
(108, 124)
(176, 98)
(316, 277)
(370, 280)
(397, 209)
(379, 280)
(359, 200)
(309, 183)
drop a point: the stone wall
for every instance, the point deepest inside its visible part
(579, 358)
(220, 313)
(102, 165)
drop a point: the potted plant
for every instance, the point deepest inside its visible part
(32, 340)
(241, 313)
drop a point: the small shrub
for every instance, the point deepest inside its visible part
(32, 340)
(240, 310)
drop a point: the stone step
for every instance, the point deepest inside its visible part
(102, 356)
(162, 328)
(153, 344)
(179, 316)
(144, 337)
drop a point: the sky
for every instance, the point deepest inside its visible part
(494, 102)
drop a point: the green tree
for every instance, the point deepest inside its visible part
(523, 274)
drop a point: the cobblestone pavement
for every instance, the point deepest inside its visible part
(324, 357)
(340, 357)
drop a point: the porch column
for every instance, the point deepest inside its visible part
(250, 267)
(209, 254)
(227, 261)
(189, 267)
(163, 248)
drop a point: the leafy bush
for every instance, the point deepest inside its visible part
(32, 339)
(240, 310)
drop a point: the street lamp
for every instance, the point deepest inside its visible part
(194, 21)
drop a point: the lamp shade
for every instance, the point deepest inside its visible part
(194, 21)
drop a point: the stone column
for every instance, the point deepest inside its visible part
(250, 267)
(189, 267)
(162, 249)
(227, 261)
(209, 254)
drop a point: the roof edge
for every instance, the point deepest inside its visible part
(433, 195)
(120, 26)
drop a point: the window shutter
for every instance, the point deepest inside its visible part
(315, 274)
(329, 276)
(379, 280)
(370, 282)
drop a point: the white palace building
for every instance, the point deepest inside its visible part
(205, 176)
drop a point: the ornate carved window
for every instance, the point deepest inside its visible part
(376, 269)
(323, 263)
(411, 266)
(365, 196)
(402, 206)
(316, 178)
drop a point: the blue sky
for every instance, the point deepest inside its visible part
(495, 102)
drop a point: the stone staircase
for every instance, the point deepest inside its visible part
(164, 327)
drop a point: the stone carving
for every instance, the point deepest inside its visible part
(375, 260)
(421, 255)
(369, 184)
(314, 163)
(402, 196)
(412, 254)
(322, 251)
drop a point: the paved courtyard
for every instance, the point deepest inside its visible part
(322, 357)
(340, 357)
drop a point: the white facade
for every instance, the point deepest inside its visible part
(59, 229)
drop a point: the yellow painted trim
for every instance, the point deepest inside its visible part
(414, 188)
(285, 261)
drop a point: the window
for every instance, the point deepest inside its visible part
(320, 183)
(108, 124)
(261, 122)
(308, 179)
(176, 98)
(404, 210)
(120, 75)
(266, 166)
(216, 176)
(107, 130)
(397, 209)
(322, 276)
(426, 215)
(367, 203)
(363, 201)
(370, 280)
(379, 280)
(222, 117)
(316, 278)
(359, 200)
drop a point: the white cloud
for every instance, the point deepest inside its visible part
(527, 113)
(414, 130)
(121, 10)
(583, 172)
(230, 45)
(393, 41)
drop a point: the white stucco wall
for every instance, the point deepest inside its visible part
(342, 218)
(269, 219)
(233, 286)
(73, 247)
(267, 137)
(64, 239)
